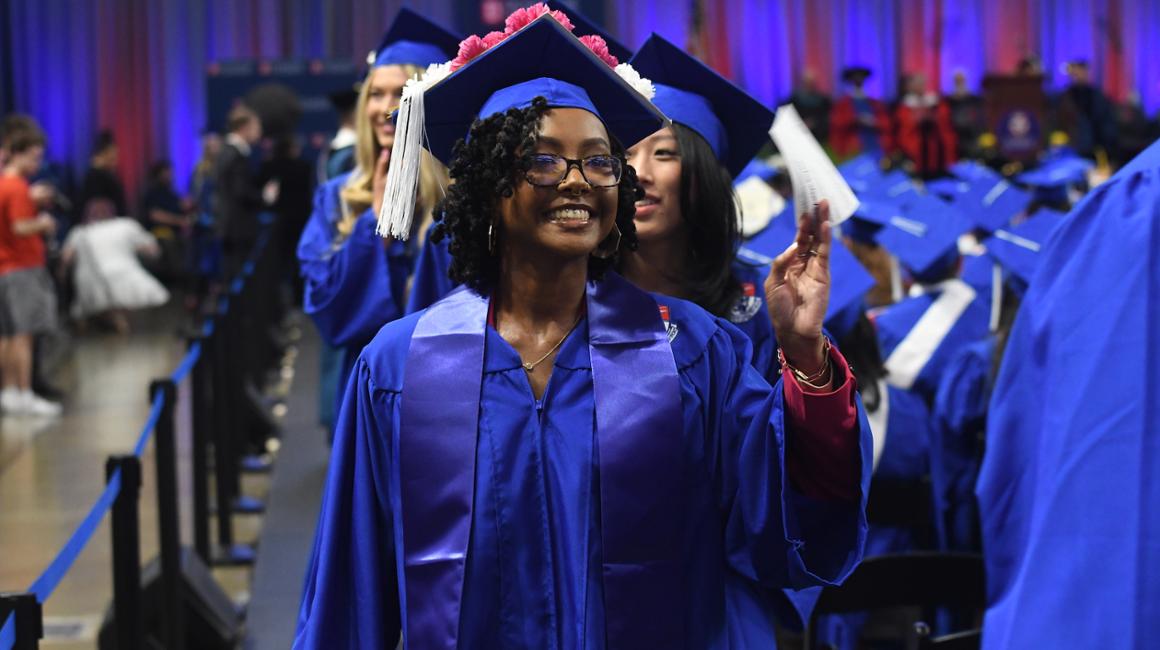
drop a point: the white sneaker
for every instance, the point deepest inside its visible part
(37, 405)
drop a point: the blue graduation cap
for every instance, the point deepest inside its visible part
(543, 59)
(892, 186)
(733, 123)
(978, 272)
(924, 237)
(991, 203)
(970, 170)
(860, 167)
(585, 26)
(1057, 172)
(414, 40)
(1016, 249)
(948, 188)
(849, 280)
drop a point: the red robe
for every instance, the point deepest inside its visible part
(926, 136)
(844, 138)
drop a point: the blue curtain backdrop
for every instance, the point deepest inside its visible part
(138, 66)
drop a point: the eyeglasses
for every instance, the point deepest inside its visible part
(548, 169)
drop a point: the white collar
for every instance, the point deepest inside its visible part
(345, 137)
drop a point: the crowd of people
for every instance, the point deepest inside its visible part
(87, 256)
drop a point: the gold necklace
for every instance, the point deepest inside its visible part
(532, 366)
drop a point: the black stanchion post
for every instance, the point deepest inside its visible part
(27, 619)
(129, 630)
(222, 445)
(168, 510)
(201, 423)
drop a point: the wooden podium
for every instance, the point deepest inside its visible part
(1016, 111)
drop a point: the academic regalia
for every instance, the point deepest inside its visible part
(465, 512)
(925, 135)
(848, 135)
(533, 571)
(902, 433)
(990, 203)
(920, 334)
(353, 284)
(1060, 179)
(1069, 488)
(431, 281)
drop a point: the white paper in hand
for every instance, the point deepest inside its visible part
(811, 171)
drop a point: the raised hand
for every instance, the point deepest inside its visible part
(797, 291)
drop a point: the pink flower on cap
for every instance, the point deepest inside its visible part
(521, 18)
(600, 48)
(493, 38)
(469, 48)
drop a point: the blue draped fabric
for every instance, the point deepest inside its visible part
(1069, 489)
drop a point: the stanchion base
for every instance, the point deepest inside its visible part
(235, 555)
(257, 464)
(245, 505)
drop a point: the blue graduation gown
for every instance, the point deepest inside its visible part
(920, 335)
(533, 571)
(960, 418)
(353, 286)
(1069, 488)
(902, 438)
(430, 282)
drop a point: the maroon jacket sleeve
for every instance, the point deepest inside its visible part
(822, 454)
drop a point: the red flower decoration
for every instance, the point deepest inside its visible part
(521, 18)
(600, 48)
(469, 48)
(493, 39)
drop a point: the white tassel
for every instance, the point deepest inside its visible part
(398, 209)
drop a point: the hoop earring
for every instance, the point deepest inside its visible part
(491, 236)
(606, 249)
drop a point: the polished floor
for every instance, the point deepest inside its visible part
(51, 471)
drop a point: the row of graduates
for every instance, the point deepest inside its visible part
(513, 532)
(684, 474)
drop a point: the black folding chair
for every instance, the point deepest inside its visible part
(925, 581)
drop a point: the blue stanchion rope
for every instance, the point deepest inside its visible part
(187, 363)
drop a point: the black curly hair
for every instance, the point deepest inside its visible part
(486, 167)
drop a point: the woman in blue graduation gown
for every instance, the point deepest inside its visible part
(356, 281)
(550, 457)
(687, 221)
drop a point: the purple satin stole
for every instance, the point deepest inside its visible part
(639, 437)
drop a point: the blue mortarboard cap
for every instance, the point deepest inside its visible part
(1060, 171)
(1017, 249)
(892, 186)
(584, 26)
(970, 170)
(415, 40)
(849, 279)
(991, 203)
(733, 123)
(542, 59)
(925, 236)
(948, 188)
(870, 216)
(860, 167)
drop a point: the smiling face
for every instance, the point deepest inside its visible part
(570, 219)
(657, 160)
(384, 92)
